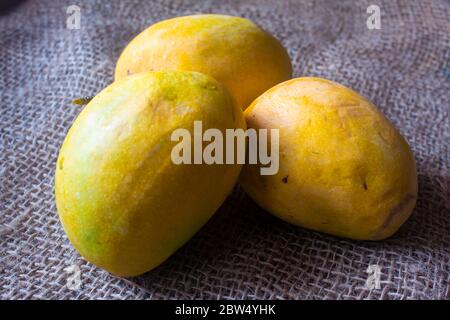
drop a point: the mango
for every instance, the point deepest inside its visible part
(235, 51)
(124, 204)
(343, 168)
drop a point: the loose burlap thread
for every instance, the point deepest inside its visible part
(243, 252)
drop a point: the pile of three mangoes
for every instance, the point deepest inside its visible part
(126, 207)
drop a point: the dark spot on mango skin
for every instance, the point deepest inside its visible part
(128, 72)
(396, 210)
(285, 179)
(365, 185)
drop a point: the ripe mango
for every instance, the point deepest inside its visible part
(124, 204)
(344, 169)
(236, 52)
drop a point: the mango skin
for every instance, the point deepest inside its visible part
(236, 52)
(123, 204)
(344, 169)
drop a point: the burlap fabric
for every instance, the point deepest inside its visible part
(243, 252)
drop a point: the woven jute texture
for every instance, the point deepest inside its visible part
(243, 252)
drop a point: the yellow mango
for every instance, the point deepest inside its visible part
(343, 167)
(236, 52)
(123, 203)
